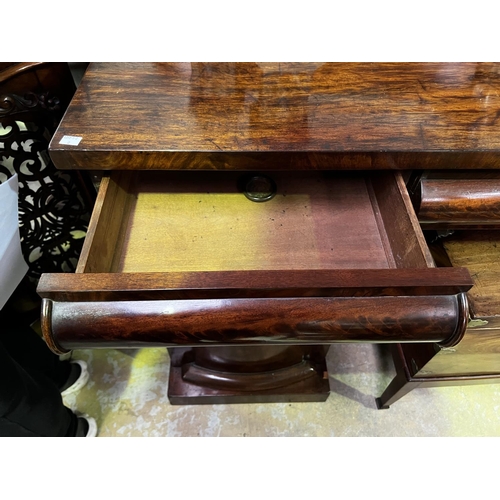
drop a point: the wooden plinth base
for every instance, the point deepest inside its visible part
(226, 375)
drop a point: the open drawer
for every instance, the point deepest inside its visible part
(186, 259)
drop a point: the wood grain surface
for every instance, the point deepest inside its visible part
(478, 353)
(110, 213)
(399, 223)
(182, 222)
(459, 203)
(198, 322)
(479, 251)
(177, 222)
(253, 116)
(226, 284)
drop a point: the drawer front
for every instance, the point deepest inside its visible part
(332, 257)
(463, 200)
(169, 323)
(477, 354)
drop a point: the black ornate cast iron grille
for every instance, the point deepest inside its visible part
(53, 213)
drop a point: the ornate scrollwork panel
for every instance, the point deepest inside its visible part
(53, 214)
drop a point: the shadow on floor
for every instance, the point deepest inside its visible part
(360, 361)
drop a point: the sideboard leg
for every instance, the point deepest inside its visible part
(399, 387)
(402, 383)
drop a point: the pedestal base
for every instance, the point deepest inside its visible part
(227, 375)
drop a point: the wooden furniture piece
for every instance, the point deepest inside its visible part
(476, 359)
(247, 295)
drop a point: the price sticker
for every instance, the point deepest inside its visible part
(70, 140)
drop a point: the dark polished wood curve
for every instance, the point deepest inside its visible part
(8, 71)
(257, 374)
(127, 324)
(278, 116)
(459, 204)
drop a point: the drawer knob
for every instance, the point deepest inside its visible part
(260, 188)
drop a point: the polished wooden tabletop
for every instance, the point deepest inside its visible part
(283, 115)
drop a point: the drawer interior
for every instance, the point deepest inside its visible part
(157, 221)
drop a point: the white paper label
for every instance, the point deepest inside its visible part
(70, 140)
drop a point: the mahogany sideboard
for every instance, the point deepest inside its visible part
(251, 214)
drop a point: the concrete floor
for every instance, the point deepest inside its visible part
(127, 394)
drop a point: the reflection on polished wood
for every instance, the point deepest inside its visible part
(315, 320)
(458, 200)
(459, 203)
(252, 116)
(262, 374)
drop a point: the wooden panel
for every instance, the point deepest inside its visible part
(166, 160)
(476, 174)
(481, 337)
(315, 221)
(110, 213)
(407, 243)
(172, 222)
(478, 353)
(193, 116)
(227, 284)
(479, 251)
(254, 321)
